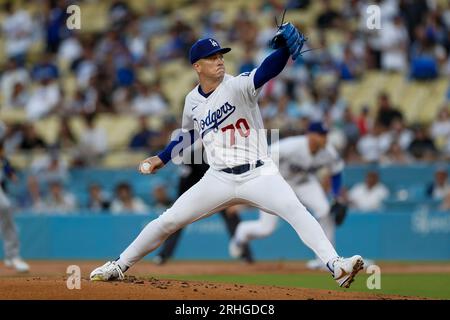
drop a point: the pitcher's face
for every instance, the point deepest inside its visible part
(211, 67)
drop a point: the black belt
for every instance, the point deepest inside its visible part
(242, 168)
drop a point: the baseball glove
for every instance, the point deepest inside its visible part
(288, 36)
(339, 212)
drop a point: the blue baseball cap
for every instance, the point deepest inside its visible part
(204, 48)
(317, 127)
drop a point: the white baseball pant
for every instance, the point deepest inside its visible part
(311, 194)
(262, 187)
(8, 229)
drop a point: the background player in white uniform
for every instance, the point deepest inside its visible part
(300, 159)
(224, 112)
(8, 228)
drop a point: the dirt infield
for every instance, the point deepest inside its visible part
(47, 280)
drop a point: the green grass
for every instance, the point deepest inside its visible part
(422, 285)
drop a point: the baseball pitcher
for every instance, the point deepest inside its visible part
(222, 110)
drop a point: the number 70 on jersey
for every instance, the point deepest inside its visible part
(241, 126)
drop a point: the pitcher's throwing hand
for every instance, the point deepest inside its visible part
(150, 165)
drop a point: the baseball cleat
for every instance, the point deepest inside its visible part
(345, 270)
(107, 272)
(235, 249)
(18, 264)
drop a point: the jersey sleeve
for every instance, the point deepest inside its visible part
(243, 84)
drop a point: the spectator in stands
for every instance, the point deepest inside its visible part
(162, 200)
(400, 133)
(351, 10)
(65, 138)
(122, 99)
(14, 85)
(214, 26)
(248, 32)
(135, 42)
(126, 202)
(268, 108)
(58, 201)
(152, 23)
(413, 12)
(44, 100)
(364, 121)
(19, 96)
(394, 45)
(170, 124)
(435, 26)
(248, 62)
(349, 68)
(125, 75)
(440, 128)
(46, 97)
(314, 108)
(45, 170)
(149, 101)
(422, 146)
(56, 25)
(93, 143)
(396, 155)
(328, 17)
(70, 50)
(119, 14)
(349, 127)
(18, 32)
(426, 54)
(31, 139)
(386, 113)
(368, 195)
(45, 69)
(374, 144)
(241, 22)
(98, 200)
(336, 105)
(440, 187)
(85, 67)
(145, 138)
(84, 101)
(181, 36)
(288, 107)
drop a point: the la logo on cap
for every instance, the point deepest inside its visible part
(215, 44)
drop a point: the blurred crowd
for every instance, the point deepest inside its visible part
(414, 40)
(48, 191)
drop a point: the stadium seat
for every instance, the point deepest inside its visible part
(123, 159)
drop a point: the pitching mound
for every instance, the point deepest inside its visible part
(158, 289)
(146, 281)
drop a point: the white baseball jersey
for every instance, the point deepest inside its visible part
(298, 165)
(229, 122)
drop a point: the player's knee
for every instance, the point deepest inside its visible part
(168, 223)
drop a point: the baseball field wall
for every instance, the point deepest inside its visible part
(421, 234)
